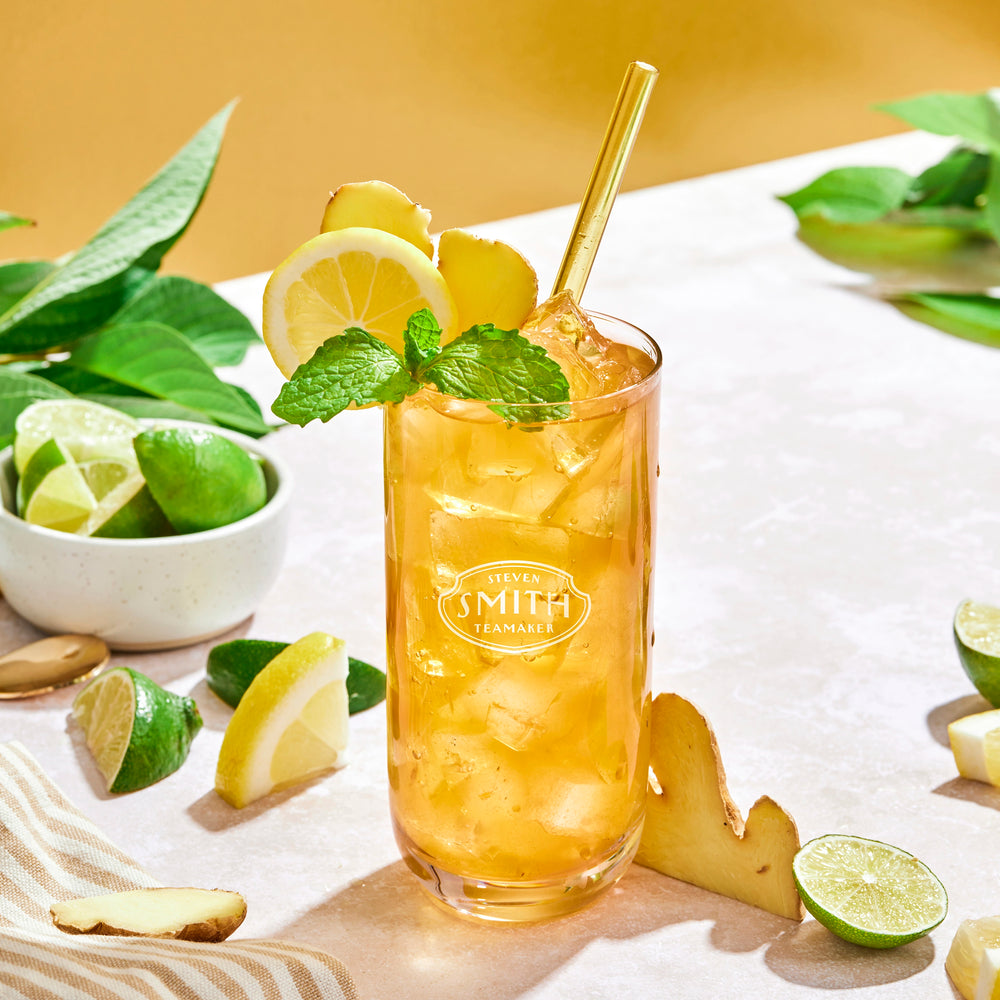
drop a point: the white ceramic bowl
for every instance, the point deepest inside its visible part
(145, 593)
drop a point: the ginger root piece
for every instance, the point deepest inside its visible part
(490, 281)
(185, 914)
(693, 830)
(377, 205)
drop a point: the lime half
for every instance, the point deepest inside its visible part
(136, 731)
(87, 430)
(977, 636)
(868, 892)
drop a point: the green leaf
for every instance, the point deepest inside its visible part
(957, 180)
(972, 117)
(971, 317)
(365, 685)
(501, 366)
(146, 406)
(851, 194)
(421, 339)
(993, 198)
(159, 361)
(18, 278)
(79, 382)
(18, 390)
(218, 331)
(10, 221)
(94, 283)
(353, 367)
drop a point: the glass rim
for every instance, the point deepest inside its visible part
(578, 408)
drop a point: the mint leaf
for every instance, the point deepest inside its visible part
(219, 332)
(353, 367)
(160, 362)
(11, 221)
(365, 685)
(971, 317)
(851, 194)
(972, 117)
(100, 276)
(500, 366)
(421, 339)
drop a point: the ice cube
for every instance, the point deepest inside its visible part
(593, 363)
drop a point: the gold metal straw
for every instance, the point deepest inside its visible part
(606, 178)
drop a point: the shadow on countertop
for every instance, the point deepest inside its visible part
(393, 939)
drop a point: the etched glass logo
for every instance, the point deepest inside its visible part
(514, 607)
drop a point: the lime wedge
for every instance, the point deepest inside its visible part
(87, 430)
(52, 492)
(136, 731)
(964, 964)
(127, 511)
(868, 892)
(233, 665)
(290, 725)
(102, 475)
(200, 480)
(977, 637)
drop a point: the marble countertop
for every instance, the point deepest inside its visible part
(828, 497)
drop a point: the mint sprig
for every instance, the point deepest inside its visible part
(500, 367)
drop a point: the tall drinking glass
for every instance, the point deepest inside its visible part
(519, 564)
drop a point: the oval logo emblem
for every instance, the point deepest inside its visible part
(514, 607)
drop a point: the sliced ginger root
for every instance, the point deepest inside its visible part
(489, 280)
(184, 914)
(693, 829)
(377, 205)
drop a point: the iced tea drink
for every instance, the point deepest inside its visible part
(519, 563)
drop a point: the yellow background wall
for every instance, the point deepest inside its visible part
(478, 110)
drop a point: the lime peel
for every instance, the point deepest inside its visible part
(868, 892)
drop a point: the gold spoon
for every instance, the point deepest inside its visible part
(51, 663)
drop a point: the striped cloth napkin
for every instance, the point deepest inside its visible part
(49, 851)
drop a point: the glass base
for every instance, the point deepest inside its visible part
(523, 901)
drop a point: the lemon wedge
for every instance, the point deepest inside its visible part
(967, 963)
(354, 277)
(290, 725)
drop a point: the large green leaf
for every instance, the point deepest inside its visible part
(219, 332)
(10, 221)
(159, 361)
(93, 284)
(18, 390)
(19, 277)
(851, 194)
(972, 317)
(973, 117)
(145, 406)
(81, 382)
(957, 180)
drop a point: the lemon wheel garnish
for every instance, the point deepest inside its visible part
(290, 724)
(350, 277)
